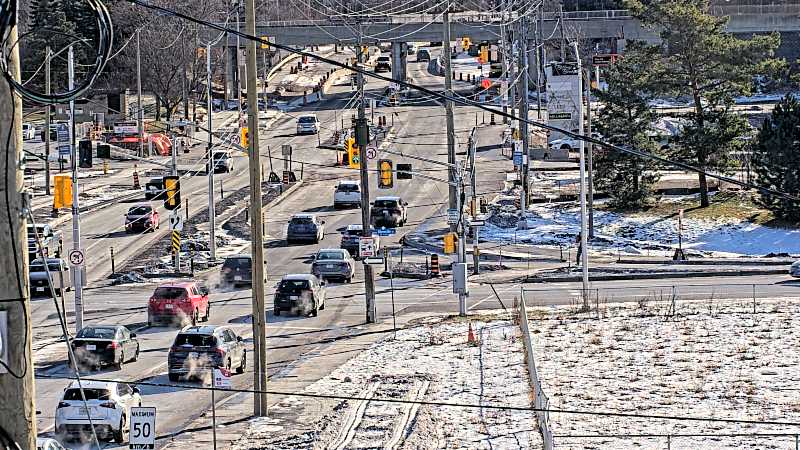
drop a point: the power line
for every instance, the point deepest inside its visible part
(497, 407)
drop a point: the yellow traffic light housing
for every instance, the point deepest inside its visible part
(353, 153)
(245, 139)
(386, 174)
(172, 188)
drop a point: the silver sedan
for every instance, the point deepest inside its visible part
(333, 263)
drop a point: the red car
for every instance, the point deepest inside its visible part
(185, 301)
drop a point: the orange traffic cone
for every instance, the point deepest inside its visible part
(471, 335)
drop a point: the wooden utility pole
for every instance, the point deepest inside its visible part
(17, 410)
(256, 220)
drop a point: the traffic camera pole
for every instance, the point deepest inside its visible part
(212, 214)
(17, 398)
(256, 221)
(582, 149)
(77, 272)
(362, 140)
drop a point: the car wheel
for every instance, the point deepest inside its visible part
(174, 377)
(349, 280)
(314, 309)
(119, 434)
(243, 365)
(276, 312)
(136, 355)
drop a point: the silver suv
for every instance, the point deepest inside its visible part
(330, 263)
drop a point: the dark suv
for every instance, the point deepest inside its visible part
(238, 270)
(198, 350)
(300, 293)
(305, 227)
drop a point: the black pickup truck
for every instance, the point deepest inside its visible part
(52, 242)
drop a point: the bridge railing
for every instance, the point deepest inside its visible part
(766, 7)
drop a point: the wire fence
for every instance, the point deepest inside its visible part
(540, 400)
(776, 441)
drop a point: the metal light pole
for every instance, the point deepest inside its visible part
(590, 155)
(77, 273)
(212, 214)
(522, 47)
(47, 110)
(139, 110)
(584, 224)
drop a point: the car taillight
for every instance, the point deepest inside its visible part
(152, 299)
(220, 352)
(62, 405)
(113, 346)
(111, 405)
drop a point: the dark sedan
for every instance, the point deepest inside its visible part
(105, 345)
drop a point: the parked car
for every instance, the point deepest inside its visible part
(389, 212)
(794, 270)
(108, 405)
(154, 189)
(238, 269)
(347, 193)
(222, 162)
(299, 293)
(423, 54)
(308, 123)
(51, 240)
(141, 217)
(198, 350)
(181, 301)
(305, 227)
(48, 444)
(104, 345)
(28, 131)
(383, 64)
(411, 48)
(334, 263)
(569, 143)
(59, 273)
(351, 236)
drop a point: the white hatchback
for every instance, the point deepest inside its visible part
(108, 404)
(794, 270)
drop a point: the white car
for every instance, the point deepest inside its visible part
(28, 131)
(794, 270)
(347, 193)
(308, 123)
(109, 404)
(569, 143)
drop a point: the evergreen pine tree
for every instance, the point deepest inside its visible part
(776, 158)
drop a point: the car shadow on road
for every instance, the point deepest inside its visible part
(165, 386)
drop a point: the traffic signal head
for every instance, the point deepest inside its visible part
(353, 153)
(245, 137)
(404, 172)
(172, 188)
(385, 174)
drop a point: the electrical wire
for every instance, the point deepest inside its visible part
(573, 134)
(8, 10)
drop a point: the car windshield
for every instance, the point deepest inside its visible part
(293, 285)
(169, 293)
(383, 58)
(232, 263)
(195, 340)
(307, 119)
(139, 210)
(53, 266)
(386, 203)
(321, 256)
(220, 156)
(356, 232)
(98, 333)
(347, 188)
(301, 221)
(91, 394)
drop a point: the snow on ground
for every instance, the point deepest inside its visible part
(558, 224)
(708, 359)
(435, 353)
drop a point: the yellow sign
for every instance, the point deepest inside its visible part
(62, 195)
(264, 42)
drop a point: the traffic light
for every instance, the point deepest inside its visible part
(85, 154)
(484, 54)
(172, 188)
(386, 178)
(245, 137)
(353, 153)
(264, 42)
(404, 172)
(465, 43)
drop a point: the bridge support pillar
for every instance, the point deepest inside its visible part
(399, 60)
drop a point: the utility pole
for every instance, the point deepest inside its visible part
(581, 146)
(212, 214)
(522, 44)
(17, 396)
(256, 221)
(177, 211)
(77, 272)
(512, 85)
(503, 56)
(451, 134)
(563, 36)
(362, 140)
(537, 63)
(542, 55)
(238, 73)
(139, 110)
(475, 206)
(47, 110)
(589, 156)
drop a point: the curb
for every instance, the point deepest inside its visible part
(653, 276)
(711, 262)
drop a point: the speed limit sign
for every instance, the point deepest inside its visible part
(143, 427)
